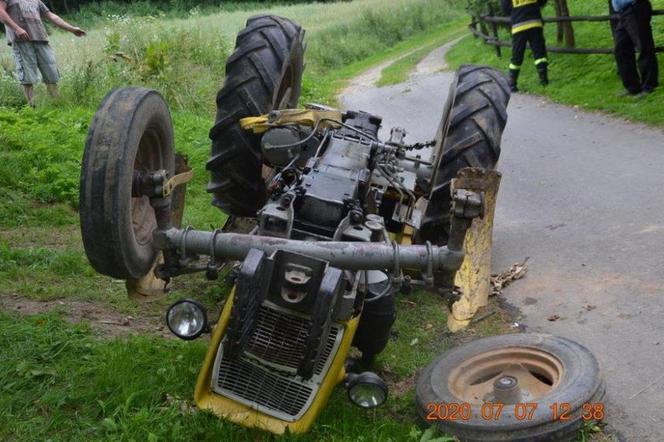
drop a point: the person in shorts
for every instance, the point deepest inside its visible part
(26, 34)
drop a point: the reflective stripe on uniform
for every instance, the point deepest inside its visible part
(541, 60)
(524, 26)
(514, 67)
(519, 3)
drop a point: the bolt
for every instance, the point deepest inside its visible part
(356, 217)
(506, 390)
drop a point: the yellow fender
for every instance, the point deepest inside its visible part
(207, 399)
(302, 117)
(474, 277)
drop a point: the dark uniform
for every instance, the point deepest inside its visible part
(527, 27)
(634, 32)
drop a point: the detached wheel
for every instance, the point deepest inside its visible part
(469, 135)
(264, 73)
(131, 131)
(547, 370)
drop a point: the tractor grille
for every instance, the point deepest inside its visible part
(279, 338)
(257, 385)
(264, 378)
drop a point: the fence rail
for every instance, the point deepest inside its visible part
(495, 21)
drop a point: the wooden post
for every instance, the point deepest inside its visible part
(562, 10)
(494, 29)
(559, 25)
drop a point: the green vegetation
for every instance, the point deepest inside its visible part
(184, 58)
(400, 70)
(60, 380)
(588, 81)
(60, 383)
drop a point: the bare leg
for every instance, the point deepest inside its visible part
(53, 90)
(28, 91)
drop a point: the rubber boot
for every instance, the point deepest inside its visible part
(543, 72)
(513, 79)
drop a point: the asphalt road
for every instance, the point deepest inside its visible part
(581, 198)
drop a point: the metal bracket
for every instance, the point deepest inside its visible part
(177, 180)
(157, 184)
(468, 204)
(304, 117)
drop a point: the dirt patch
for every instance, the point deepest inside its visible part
(436, 60)
(53, 237)
(104, 320)
(398, 387)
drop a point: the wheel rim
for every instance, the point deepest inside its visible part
(148, 158)
(537, 372)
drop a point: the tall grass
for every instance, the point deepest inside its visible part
(184, 60)
(184, 57)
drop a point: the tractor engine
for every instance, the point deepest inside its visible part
(291, 311)
(339, 190)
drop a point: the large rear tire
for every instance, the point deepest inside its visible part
(131, 132)
(469, 135)
(264, 73)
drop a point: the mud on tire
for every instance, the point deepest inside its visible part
(131, 132)
(263, 73)
(469, 136)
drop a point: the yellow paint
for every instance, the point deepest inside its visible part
(528, 25)
(149, 287)
(226, 408)
(407, 235)
(303, 117)
(519, 3)
(474, 276)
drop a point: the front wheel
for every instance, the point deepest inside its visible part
(131, 132)
(554, 384)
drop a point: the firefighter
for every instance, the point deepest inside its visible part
(527, 27)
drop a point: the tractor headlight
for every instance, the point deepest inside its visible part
(366, 390)
(187, 319)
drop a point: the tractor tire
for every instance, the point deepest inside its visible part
(551, 372)
(131, 131)
(469, 136)
(264, 73)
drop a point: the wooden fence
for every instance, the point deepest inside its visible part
(490, 23)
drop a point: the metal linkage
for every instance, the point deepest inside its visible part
(344, 255)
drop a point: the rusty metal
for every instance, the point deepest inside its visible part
(474, 276)
(345, 255)
(150, 287)
(536, 373)
(506, 390)
(177, 180)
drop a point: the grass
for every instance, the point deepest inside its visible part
(400, 70)
(61, 381)
(325, 86)
(162, 53)
(587, 81)
(66, 384)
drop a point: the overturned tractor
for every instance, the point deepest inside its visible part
(326, 223)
